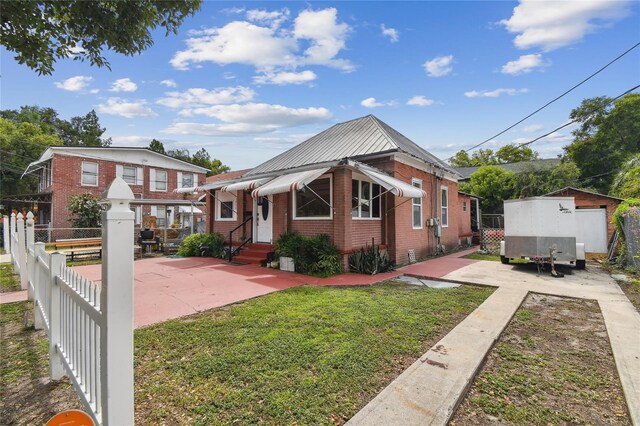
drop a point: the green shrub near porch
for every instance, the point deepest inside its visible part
(191, 245)
(316, 256)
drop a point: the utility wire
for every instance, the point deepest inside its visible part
(553, 100)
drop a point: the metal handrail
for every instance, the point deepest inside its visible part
(232, 251)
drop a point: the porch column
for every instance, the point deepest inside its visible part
(342, 235)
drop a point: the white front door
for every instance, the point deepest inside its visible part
(263, 219)
(592, 229)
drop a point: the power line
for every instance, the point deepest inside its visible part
(553, 100)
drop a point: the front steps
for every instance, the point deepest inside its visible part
(254, 253)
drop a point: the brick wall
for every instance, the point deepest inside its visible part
(464, 217)
(67, 174)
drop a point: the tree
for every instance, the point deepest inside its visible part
(20, 144)
(201, 158)
(157, 146)
(42, 31)
(217, 167)
(483, 157)
(515, 154)
(609, 133)
(85, 209)
(532, 181)
(493, 183)
(180, 154)
(626, 183)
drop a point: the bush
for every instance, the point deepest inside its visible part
(370, 260)
(312, 255)
(624, 208)
(197, 244)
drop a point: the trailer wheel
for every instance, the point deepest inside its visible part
(504, 260)
(581, 264)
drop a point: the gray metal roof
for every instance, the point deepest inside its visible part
(356, 138)
(543, 164)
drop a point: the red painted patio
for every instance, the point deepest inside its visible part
(167, 288)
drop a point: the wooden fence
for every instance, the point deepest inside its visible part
(90, 326)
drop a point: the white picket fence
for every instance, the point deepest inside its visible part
(90, 326)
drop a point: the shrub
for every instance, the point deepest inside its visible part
(625, 207)
(197, 244)
(312, 255)
(370, 260)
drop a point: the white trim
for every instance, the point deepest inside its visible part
(221, 197)
(330, 217)
(413, 204)
(442, 208)
(425, 167)
(82, 173)
(357, 178)
(154, 180)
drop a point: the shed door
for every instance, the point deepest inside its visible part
(592, 229)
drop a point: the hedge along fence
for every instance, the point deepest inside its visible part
(626, 218)
(203, 245)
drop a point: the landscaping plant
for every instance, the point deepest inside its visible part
(370, 260)
(198, 244)
(312, 255)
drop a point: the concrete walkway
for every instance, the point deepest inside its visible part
(429, 391)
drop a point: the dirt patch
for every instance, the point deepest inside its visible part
(631, 287)
(27, 395)
(552, 365)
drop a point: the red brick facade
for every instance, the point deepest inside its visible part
(67, 175)
(394, 229)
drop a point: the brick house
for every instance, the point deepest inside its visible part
(595, 214)
(359, 181)
(153, 177)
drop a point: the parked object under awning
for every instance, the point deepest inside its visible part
(289, 183)
(241, 186)
(187, 209)
(393, 185)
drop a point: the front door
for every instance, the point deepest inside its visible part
(263, 219)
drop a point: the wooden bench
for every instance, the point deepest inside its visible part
(79, 247)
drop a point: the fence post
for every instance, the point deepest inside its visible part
(38, 321)
(22, 252)
(6, 234)
(30, 259)
(116, 301)
(12, 234)
(56, 262)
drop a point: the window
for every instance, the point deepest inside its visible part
(309, 205)
(89, 174)
(417, 206)
(444, 203)
(187, 180)
(129, 175)
(137, 220)
(161, 180)
(161, 216)
(226, 209)
(365, 199)
(464, 206)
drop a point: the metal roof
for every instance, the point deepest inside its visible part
(567, 189)
(356, 138)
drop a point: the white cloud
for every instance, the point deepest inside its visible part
(169, 83)
(75, 84)
(131, 140)
(250, 118)
(285, 77)
(126, 108)
(420, 100)
(392, 33)
(373, 103)
(494, 93)
(272, 19)
(268, 47)
(197, 97)
(523, 65)
(123, 85)
(551, 25)
(439, 66)
(532, 128)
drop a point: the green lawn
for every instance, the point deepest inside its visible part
(8, 281)
(308, 355)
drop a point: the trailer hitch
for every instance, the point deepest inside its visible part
(552, 253)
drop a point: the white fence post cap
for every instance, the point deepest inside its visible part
(20, 216)
(118, 192)
(29, 215)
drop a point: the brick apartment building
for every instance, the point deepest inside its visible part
(153, 177)
(358, 181)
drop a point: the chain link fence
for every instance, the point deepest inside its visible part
(631, 229)
(51, 235)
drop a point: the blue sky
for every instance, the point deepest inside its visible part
(248, 80)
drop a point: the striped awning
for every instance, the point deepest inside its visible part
(187, 190)
(241, 186)
(213, 185)
(393, 185)
(289, 183)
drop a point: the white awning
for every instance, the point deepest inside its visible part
(213, 185)
(187, 190)
(187, 209)
(241, 186)
(393, 185)
(289, 183)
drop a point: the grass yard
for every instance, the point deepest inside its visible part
(552, 365)
(8, 281)
(307, 355)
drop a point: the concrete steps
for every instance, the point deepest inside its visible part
(254, 253)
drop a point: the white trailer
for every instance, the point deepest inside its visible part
(542, 229)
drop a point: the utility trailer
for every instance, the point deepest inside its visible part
(542, 229)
